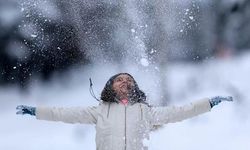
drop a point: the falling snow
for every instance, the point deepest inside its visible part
(144, 62)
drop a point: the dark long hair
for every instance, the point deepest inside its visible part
(109, 95)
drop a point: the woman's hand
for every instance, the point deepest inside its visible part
(218, 99)
(22, 110)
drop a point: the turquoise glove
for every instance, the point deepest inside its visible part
(218, 99)
(22, 110)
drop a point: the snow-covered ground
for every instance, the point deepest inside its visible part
(227, 126)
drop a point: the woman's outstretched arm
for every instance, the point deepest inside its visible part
(171, 114)
(87, 115)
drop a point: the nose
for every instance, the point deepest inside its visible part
(124, 81)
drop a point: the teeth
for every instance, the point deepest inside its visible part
(123, 85)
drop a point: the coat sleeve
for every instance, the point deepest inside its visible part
(86, 115)
(171, 114)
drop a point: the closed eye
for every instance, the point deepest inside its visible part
(119, 79)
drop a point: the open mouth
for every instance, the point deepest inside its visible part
(123, 85)
(126, 87)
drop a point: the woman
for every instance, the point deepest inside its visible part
(123, 118)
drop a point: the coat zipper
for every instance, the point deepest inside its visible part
(141, 112)
(108, 110)
(125, 136)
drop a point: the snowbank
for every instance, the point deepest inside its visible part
(227, 126)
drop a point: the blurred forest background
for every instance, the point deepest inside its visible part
(40, 37)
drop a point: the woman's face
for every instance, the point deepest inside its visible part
(122, 85)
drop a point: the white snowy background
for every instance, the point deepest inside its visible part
(227, 126)
(181, 30)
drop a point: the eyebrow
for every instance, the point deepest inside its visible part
(119, 77)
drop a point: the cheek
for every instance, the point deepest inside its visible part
(115, 86)
(132, 84)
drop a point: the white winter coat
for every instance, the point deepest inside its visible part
(120, 127)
